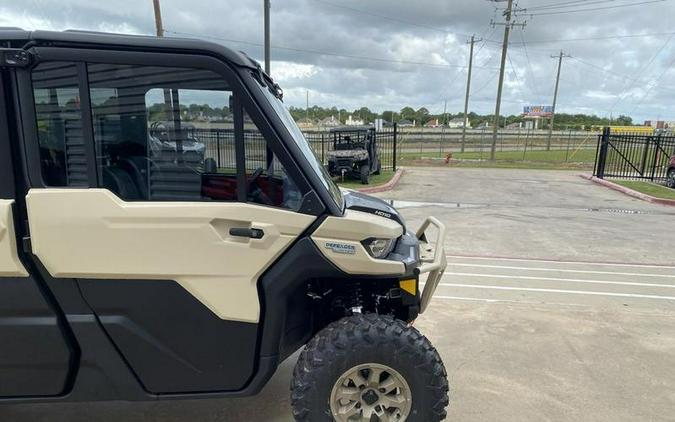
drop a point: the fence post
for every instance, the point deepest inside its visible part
(395, 139)
(657, 151)
(218, 146)
(603, 141)
(323, 150)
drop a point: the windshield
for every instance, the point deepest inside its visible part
(302, 143)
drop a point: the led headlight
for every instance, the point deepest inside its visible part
(379, 248)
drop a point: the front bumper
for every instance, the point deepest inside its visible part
(432, 259)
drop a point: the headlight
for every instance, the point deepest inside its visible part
(379, 248)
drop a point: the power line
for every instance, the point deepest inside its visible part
(596, 8)
(607, 37)
(569, 5)
(653, 85)
(390, 18)
(529, 67)
(326, 53)
(640, 73)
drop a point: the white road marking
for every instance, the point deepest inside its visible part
(575, 292)
(527, 302)
(608, 264)
(571, 280)
(565, 270)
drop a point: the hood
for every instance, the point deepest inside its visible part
(358, 201)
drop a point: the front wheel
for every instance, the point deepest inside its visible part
(670, 182)
(365, 173)
(369, 368)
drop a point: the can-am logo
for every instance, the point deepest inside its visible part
(382, 214)
(341, 248)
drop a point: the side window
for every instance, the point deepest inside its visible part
(168, 134)
(59, 124)
(266, 178)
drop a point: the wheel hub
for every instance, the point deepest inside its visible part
(371, 392)
(370, 397)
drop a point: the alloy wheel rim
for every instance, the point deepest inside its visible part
(371, 392)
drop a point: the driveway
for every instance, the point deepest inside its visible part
(558, 304)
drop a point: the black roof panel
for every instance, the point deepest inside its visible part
(126, 42)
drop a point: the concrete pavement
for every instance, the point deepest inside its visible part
(558, 304)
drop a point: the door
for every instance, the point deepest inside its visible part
(36, 353)
(165, 200)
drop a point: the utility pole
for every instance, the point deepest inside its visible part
(508, 14)
(267, 36)
(307, 109)
(468, 90)
(555, 98)
(158, 18)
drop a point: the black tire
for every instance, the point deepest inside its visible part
(379, 169)
(362, 339)
(670, 182)
(365, 173)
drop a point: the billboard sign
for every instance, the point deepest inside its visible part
(538, 111)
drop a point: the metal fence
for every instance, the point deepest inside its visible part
(219, 146)
(634, 156)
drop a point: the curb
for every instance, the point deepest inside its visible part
(629, 192)
(387, 186)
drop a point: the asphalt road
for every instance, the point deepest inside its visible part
(558, 304)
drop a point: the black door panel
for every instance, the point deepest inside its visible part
(172, 342)
(34, 356)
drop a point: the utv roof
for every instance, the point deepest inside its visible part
(17, 38)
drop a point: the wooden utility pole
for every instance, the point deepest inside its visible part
(267, 36)
(508, 13)
(468, 90)
(555, 98)
(158, 18)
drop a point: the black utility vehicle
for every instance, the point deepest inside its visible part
(354, 154)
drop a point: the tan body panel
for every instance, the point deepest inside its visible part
(351, 229)
(10, 265)
(91, 233)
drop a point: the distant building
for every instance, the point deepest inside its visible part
(405, 123)
(329, 122)
(514, 125)
(354, 122)
(660, 124)
(432, 123)
(305, 123)
(458, 123)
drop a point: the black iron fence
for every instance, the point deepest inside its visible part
(219, 146)
(634, 156)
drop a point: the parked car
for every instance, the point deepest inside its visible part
(670, 182)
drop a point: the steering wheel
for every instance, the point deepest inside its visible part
(257, 194)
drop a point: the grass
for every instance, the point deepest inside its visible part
(375, 180)
(648, 188)
(556, 159)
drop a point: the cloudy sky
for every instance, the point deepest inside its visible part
(390, 54)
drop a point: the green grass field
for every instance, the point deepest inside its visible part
(556, 159)
(649, 188)
(380, 179)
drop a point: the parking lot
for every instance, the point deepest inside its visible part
(558, 304)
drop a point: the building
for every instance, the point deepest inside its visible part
(306, 123)
(660, 124)
(459, 123)
(354, 122)
(330, 122)
(406, 123)
(432, 123)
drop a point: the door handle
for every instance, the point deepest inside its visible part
(246, 232)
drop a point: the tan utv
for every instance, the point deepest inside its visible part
(133, 268)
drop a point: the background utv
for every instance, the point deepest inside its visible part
(132, 272)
